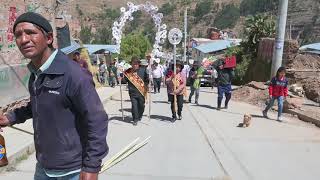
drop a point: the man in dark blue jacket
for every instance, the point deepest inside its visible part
(70, 123)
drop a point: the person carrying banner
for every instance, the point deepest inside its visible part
(176, 84)
(138, 80)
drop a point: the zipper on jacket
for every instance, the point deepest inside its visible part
(35, 94)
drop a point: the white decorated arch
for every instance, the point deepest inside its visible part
(126, 14)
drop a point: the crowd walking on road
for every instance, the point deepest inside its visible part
(176, 85)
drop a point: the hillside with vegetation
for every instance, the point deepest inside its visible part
(201, 15)
(98, 15)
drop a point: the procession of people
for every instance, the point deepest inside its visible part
(148, 75)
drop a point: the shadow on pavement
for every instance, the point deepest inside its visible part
(204, 105)
(214, 108)
(240, 125)
(207, 91)
(125, 110)
(127, 100)
(160, 118)
(127, 119)
(257, 116)
(163, 102)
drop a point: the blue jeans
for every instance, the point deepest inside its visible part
(226, 90)
(280, 104)
(41, 175)
(112, 81)
(194, 90)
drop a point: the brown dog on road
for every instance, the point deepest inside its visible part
(246, 120)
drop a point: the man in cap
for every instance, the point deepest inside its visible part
(148, 57)
(112, 74)
(144, 63)
(138, 80)
(70, 123)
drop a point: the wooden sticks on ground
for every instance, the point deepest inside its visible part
(124, 153)
(21, 130)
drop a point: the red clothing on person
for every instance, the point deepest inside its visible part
(278, 87)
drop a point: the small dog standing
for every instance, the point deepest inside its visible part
(246, 121)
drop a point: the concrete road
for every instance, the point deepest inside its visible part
(205, 145)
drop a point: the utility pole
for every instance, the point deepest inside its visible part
(185, 35)
(279, 43)
(290, 30)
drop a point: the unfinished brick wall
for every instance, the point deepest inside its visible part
(13, 72)
(9, 11)
(265, 51)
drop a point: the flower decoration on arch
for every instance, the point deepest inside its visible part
(127, 14)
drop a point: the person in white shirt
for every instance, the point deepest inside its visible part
(186, 70)
(157, 74)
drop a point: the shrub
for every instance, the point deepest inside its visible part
(241, 69)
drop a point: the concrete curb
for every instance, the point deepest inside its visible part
(304, 117)
(17, 157)
(29, 149)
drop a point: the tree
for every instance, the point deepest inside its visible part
(134, 44)
(227, 17)
(257, 27)
(85, 34)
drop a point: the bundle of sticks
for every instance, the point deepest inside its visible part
(124, 153)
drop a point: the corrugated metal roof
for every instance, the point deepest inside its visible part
(93, 48)
(313, 52)
(315, 46)
(69, 49)
(217, 45)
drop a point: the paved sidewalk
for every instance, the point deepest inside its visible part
(19, 144)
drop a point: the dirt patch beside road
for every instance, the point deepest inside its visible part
(255, 93)
(304, 69)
